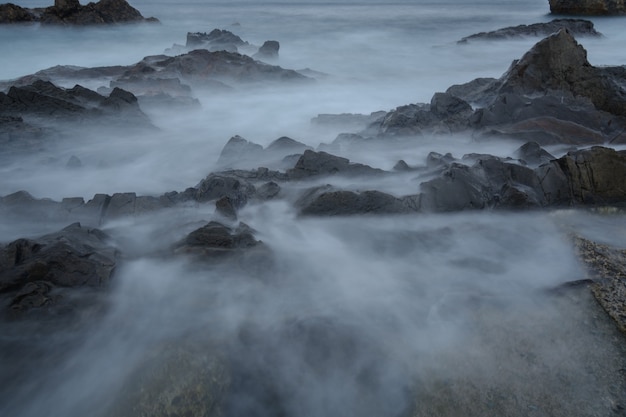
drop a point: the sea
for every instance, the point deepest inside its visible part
(440, 314)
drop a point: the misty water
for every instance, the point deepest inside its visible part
(424, 315)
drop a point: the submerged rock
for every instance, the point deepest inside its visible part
(269, 50)
(577, 27)
(587, 7)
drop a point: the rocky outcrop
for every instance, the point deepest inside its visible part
(312, 164)
(587, 7)
(551, 95)
(268, 51)
(578, 27)
(216, 40)
(44, 100)
(37, 273)
(70, 12)
(12, 13)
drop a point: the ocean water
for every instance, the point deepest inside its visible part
(406, 287)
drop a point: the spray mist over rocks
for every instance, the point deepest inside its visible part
(370, 219)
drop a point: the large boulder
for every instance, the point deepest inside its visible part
(11, 13)
(216, 40)
(268, 51)
(33, 272)
(587, 7)
(312, 164)
(327, 201)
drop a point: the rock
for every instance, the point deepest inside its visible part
(286, 146)
(587, 7)
(559, 63)
(239, 150)
(216, 242)
(11, 13)
(324, 201)
(216, 186)
(578, 27)
(267, 191)
(533, 154)
(446, 113)
(70, 12)
(596, 176)
(216, 40)
(321, 163)
(74, 257)
(269, 51)
(225, 207)
(348, 120)
(44, 102)
(457, 189)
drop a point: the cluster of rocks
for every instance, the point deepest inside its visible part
(71, 12)
(587, 7)
(552, 95)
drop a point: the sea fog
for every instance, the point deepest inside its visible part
(390, 315)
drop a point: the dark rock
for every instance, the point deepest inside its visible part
(577, 27)
(587, 7)
(216, 40)
(533, 154)
(286, 146)
(216, 241)
(269, 50)
(596, 175)
(559, 63)
(46, 102)
(457, 189)
(239, 150)
(74, 257)
(70, 12)
(225, 207)
(267, 191)
(474, 91)
(216, 186)
(445, 114)
(11, 13)
(321, 163)
(401, 165)
(327, 202)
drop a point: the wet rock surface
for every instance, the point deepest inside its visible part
(71, 12)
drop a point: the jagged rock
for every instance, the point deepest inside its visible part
(216, 242)
(225, 207)
(446, 113)
(321, 163)
(596, 176)
(75, 257)
(42, 100)
(587, 7)
(12, 13)
(533, 154)
(216, 186)
(239, 150)
(216, 40)
(103, 12)
(577, 27)
(269, 50)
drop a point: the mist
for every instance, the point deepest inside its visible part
(407, 315)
